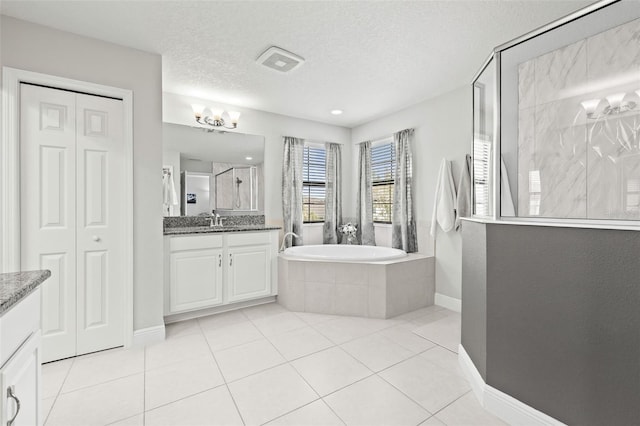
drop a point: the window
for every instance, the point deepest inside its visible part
(383, 167)
(481, 176)
(314, 183)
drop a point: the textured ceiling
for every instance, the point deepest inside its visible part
(367, 58)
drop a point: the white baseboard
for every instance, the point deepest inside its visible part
(148, 335)
(448, 302)
(473, 375)
(500, 404)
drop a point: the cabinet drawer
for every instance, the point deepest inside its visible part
(248, 238)
(195, 242)
(16, 325)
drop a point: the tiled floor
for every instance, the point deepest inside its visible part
(266, 365)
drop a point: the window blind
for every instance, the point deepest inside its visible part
(481, 177)
(314, 183)
(383, 167)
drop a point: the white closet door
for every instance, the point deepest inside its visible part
(100, 223)
(72, 222)
(48, 209)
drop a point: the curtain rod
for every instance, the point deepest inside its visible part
(384, 138)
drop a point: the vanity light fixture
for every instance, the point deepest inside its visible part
(214, 117)
(613, 104)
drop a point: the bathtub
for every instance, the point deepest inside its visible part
(364, 281)
(344, 253)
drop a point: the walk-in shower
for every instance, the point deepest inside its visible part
(557, 121)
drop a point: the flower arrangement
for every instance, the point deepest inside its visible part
(349, 230)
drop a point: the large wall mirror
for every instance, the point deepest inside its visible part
(205, 171)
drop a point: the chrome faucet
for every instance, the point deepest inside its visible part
(215, 220)
(284, 238)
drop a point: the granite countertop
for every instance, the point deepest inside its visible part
(15, 286)
(209, 230)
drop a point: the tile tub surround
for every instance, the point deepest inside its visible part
(15, 286)
(372, 290)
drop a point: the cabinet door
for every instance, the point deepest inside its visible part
(20, 380)
(196, 279)
(249, 272)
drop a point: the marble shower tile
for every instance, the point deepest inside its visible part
(560, 72)
(614, 168)
(526, 159)
(561, 160)
(615, 53)
(526, 85)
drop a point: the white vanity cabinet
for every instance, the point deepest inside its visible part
(210, 270)
(249, 273)
(20, 359)
(196, 272)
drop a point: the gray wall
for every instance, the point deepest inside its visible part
(41, 49)
(562, 319)
(474, 295)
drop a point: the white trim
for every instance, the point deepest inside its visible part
(629, 225)
(448, 302)
(473, 375)
(149, 335)
(500, 404)
(10, 171)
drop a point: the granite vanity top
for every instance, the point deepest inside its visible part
(15, 286)
(209, 230)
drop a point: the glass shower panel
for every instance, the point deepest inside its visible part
(237, 189)
(570, 120)
(483, 140)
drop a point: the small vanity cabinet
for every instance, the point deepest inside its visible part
(20, 353)
(208, 270)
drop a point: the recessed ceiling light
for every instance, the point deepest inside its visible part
(336, 111)
(248, 158)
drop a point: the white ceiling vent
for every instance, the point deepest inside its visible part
(279, 59)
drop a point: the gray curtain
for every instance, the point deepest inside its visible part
(292, 189)
(364, 199)
(333, 195)
(403, 225)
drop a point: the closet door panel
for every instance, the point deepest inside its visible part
(48, 209)
(100, 223)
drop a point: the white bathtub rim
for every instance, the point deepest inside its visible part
(396, 256)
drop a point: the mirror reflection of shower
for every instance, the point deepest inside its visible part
(236, 188)
(237, 195)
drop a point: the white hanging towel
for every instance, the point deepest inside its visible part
(506, 202)
(463, 198)
(170, 198)
(444, 205)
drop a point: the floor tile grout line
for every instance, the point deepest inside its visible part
(291, 411)
(461, 396)
(102, 383)
(303, 378)
(144, 388)
(183, 398)
(73, 360)
(222, 375)
(401, 391)
(406, 395)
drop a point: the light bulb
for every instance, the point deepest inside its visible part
(197, 110)
(590, 105)
(234, 116)
(216, 113)
(615, 99)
